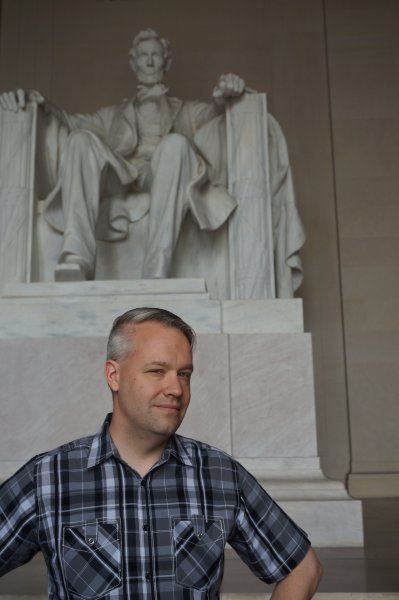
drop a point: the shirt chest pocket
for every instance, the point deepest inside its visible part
(198, 551)
(91, 558)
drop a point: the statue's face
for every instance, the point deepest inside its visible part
(149, 62)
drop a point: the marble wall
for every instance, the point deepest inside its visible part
(330, 72)
(363, 66)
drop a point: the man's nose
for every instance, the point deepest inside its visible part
(173, 385)
(150, 60)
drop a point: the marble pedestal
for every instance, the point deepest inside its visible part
(252, 388)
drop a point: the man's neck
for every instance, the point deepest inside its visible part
(140, 451)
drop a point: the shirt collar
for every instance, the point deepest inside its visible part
(176, 447)
(102, 447)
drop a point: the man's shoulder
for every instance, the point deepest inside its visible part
(75, 452)
(198, 450)
(211, 457)
(78, 448)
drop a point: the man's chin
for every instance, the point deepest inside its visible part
(150, 79)
(166, 430)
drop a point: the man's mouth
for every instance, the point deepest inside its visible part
(171, 408)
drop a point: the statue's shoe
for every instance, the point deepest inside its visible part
(72, 268)
(69, 272)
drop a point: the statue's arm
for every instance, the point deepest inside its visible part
(17, 100)
(72, 120)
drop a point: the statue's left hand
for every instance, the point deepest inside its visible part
(16, 100)
(228, 86)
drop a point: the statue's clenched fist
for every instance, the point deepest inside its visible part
(228, 86)
(17, 99)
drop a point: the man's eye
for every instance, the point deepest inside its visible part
(185, 375)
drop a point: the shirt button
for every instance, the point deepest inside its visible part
(91, 541)
(143, 483)
(145, 527)
(148, 576)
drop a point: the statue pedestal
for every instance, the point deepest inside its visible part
(252, 391)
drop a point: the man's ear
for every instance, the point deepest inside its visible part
(167, 64)
(132, 63)
(111, 370)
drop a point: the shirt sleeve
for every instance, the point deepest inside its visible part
(265, 538)
(18, 539)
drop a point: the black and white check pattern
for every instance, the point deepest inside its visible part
(107, 533)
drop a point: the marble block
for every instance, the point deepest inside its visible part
(272, 396)
(329, 523)
(262, 316)
(133, 287)
(83, 317)
(208, 417)
(87, 308)
(54, 391)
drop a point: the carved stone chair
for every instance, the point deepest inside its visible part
(236, 260)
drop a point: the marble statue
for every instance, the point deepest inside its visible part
(152, 155)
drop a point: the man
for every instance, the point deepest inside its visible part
(101, 164)
(139, 512)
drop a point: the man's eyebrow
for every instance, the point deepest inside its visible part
(188, 367)
(161, 363)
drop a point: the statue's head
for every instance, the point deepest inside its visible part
(150, 56)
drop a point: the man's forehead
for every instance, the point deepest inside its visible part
(150, 44)
(153, 332)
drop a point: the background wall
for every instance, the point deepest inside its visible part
(329, 71)
(363, 53)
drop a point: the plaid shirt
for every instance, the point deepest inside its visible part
(105, 532)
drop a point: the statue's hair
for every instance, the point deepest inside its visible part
(151, 34)
(120, 345)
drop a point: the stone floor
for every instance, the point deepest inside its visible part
(356, 572)
(319, 596)
(267, 596)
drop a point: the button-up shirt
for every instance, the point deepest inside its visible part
(106, 532)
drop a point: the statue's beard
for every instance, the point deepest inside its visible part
(150, 78)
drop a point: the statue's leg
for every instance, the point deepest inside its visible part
(82, 164)
(174, 165)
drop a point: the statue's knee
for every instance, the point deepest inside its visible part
(174, 143)
(79, 140)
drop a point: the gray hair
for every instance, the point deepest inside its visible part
(151, 34)
(119, 346)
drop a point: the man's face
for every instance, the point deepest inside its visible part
(149, 62)
(152, 384)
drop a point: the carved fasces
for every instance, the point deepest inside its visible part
(17, 166)
(250, 226)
